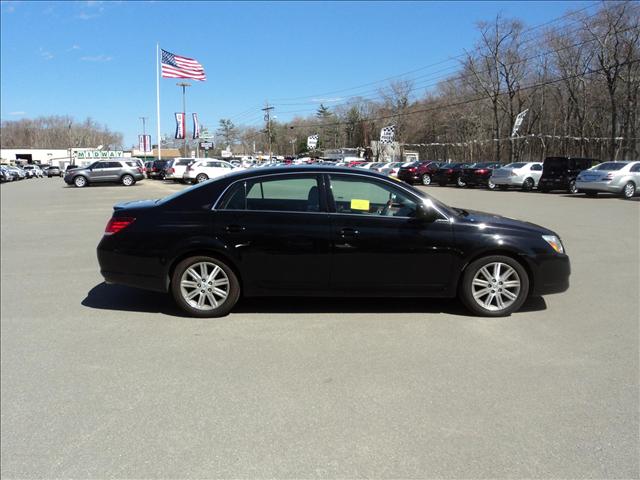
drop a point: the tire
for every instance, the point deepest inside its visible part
(80, 181)
(426, 179)
(491, 185)
(572, 187)
(460, 183)
(487, 305)
(201, 177)
(629, 190)
(528, 184)
(204, 296)
(127, 180)
(504, 188)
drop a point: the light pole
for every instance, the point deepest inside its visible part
(184, 85)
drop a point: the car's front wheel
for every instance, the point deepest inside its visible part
(127, 180)
(572, 187)
(494, 286)
(205, 287)
(201, 178)
(629, 190)
(80, 181)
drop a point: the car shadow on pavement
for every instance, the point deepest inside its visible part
(602, 195)
(121, 298)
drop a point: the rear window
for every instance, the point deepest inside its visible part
(610, 166)
(515, 165)
(183, 162)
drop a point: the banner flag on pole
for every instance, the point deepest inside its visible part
(387, 134)
(180, 126)
(144, 143)
(175, 66)
(312, 142)
(196, 126)
(518, 122)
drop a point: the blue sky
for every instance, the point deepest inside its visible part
(97, 59)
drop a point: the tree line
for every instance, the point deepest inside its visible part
(578, 80)
(57, 132)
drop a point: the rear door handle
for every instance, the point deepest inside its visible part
(234, 228)
(348, 232)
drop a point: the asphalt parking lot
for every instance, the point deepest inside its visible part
(105, 381)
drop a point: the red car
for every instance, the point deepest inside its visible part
(418, 172)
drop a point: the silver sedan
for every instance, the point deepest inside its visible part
(622, 178)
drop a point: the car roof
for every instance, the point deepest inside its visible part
(305, 169)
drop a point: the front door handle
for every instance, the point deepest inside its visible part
(234, 228)
(348, 232)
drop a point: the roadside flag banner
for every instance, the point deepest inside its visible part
(196, 126)
(518, 122)
(387, 134)
(312, 142)
(175, 66)
(144, 143)
(180, 126)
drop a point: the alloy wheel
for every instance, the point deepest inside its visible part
(204, 286)
(426, 179)
(491, 185)
(460, 182)
(496, 286)
(629, 190)
(573, 188)
(201, 178)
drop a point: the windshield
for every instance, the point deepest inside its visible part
(610, 166)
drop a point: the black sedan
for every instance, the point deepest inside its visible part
(449, 173)
(478, 174)
(325, 231)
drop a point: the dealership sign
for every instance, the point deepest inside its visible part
(97, 154)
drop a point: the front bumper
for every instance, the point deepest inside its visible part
(551, 274)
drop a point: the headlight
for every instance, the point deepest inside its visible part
(555, 243)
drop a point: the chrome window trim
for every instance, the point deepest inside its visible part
(393, 183)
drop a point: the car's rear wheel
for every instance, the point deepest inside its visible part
(494, 286)
(80, 181)
(460, 183)
(127, 180)
(528, 184)
(572, 187)
(629, 190)
(491, 185)
(205, 287)
(201, 178)
(426, 179)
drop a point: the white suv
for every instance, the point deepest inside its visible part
(176, 170)
(524, 175)
(203, 170)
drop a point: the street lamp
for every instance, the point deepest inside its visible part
(184, 85)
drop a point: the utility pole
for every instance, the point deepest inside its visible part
(267, 118)
(144, 134)
(184, 85)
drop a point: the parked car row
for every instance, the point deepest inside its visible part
(9, 173)
(190, 170)
(126, 171)
(572, 175)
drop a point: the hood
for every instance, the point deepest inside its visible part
(490, 220)
(136, 204)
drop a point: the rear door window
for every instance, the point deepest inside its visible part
(299, 193)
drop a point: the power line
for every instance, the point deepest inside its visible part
(535, 27)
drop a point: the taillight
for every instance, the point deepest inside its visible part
(482, 171)
(412, 169)
(154, 169)
(171, 170)
(116, 224)
(140, 170)
(450, 170)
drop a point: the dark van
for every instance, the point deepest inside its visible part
(559, 173)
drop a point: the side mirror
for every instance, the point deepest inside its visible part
(427, 213)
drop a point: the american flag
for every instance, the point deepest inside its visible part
(175, 66)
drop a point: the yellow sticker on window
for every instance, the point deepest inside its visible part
(357, 204)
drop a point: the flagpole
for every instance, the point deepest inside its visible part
(158, 99)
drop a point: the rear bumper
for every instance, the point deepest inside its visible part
(608, 187)
(511, 181)
(133, 271)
